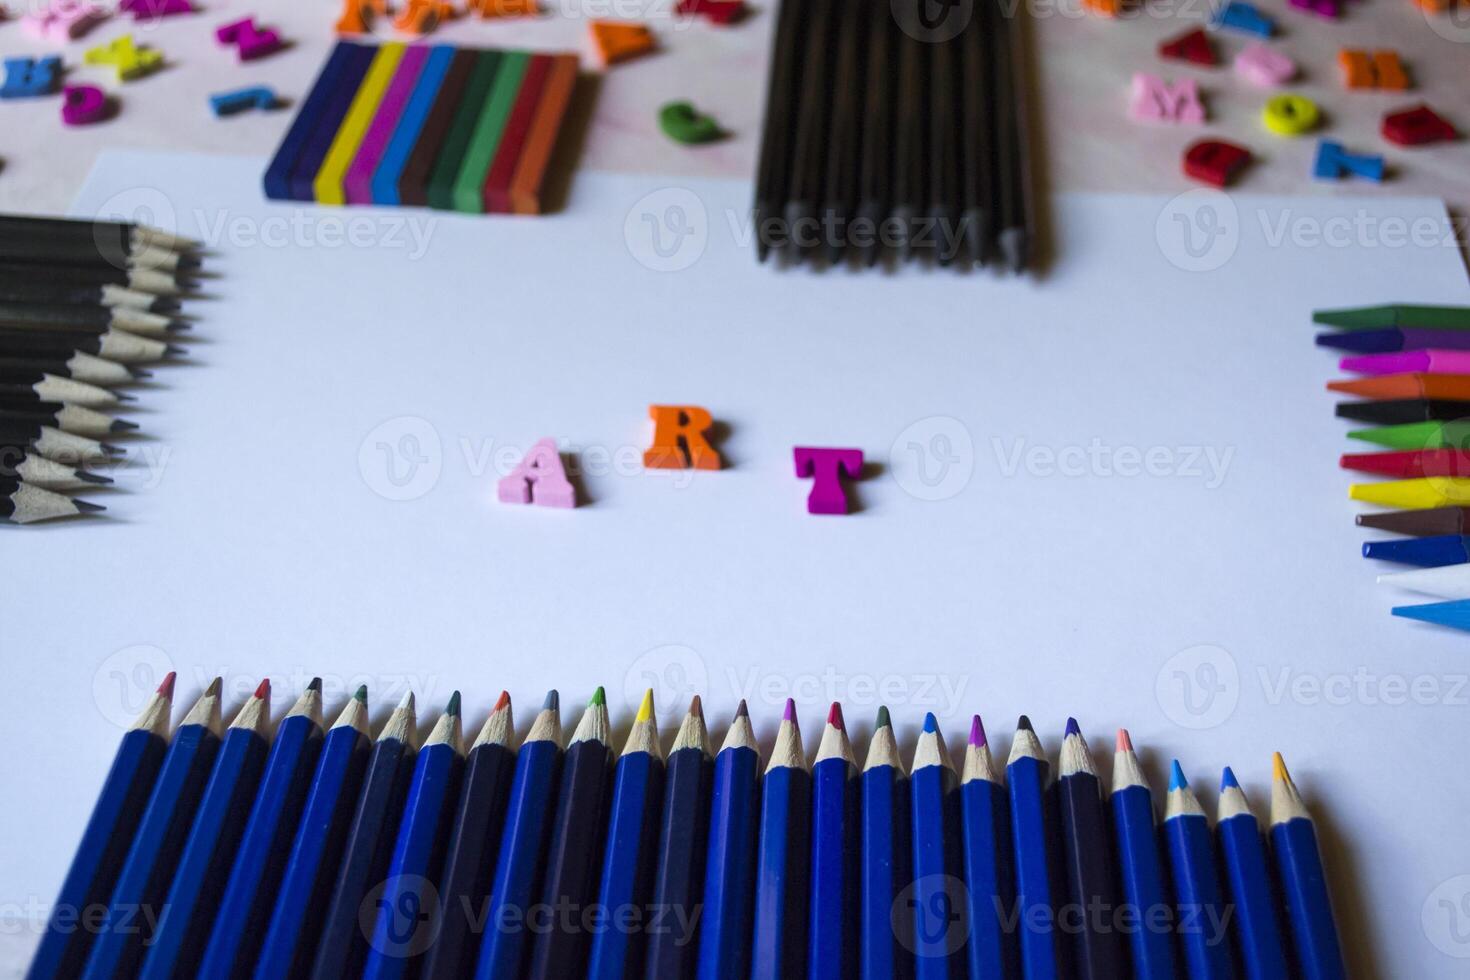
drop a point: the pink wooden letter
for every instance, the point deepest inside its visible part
(538, 478)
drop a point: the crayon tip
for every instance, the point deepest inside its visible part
(1125, 741)
(834, 717)
(789, 714)
(360, 695)
(503, 701)
(977, 732)
(883, 720)
(214, 687)
(552, 702)
(315, 685)
(741, 711)
(167, 687)
(1278, 768)
(599, 697)
(931, 724)
(1023, 724)
(1072, 728)
(645, 710)
(452, 708)
(1227, 780)
(1176, 778)
(696, 707)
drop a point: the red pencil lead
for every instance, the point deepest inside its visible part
(504, 701)
(167, 687)
(834, 717)
(1125, 743)
(264, 690)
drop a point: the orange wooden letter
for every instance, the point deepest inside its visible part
(679, 439)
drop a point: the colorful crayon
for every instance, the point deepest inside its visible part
(1401, 411)
(1455, 614)
(1390, 339)
(1446, 582)
(1420, 523)
(1409, 465)
(1451, 387)
(1434, 361)
(1425, 492)
(1445, 549)
(1396, 315)
(1419, 435)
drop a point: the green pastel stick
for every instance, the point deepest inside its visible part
(1418, 435)
(469, 194)
(1396, 315)
(457, 141)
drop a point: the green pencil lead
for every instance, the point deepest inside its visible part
(599, 698)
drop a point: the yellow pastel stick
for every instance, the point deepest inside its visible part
(1429, 491)
(327, 187)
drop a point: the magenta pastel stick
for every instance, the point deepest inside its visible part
(1435, 361)
(357, 183)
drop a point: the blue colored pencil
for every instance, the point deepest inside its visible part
(142, 885)
(198, 880)
(1303, 881)
(778, 944)
(1031, 835)
(1201, 901)
(678, 884)
(885, 940)
(527, 827)
(632, 839)
(410, 890)
(833, 934)
(934, 815)
(260, 860)
(342, 949)
(989, 882)
(1248, 879)
(469, 865)
(724, 930)
(1141, 868)
(311, 868)
(1097, 953)
(99, 857)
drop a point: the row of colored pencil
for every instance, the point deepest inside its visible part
(80, 302)
(222, 853)
(1415, 389)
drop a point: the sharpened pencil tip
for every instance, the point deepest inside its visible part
(1125, 741)
(361, 694)
(123, 396)
(96, 478)
(883, 720)
(645, 710)
(1176, 778)
(174, 350)
(452, 708)
(167, 687)
(87, 507)
(931, 724)
(1072, 728)
(1278, 768)
(696, 707)
(212, 691)
(1227, 779)
(552, 702)
(263, 690)
(834, 717)
(140, 374)
(977, 731)
(122, 425)
(599, 698)
(1024, 724)
(502, 702)
(789, 714)
(406, 702)
(108, 449)
(741, 711)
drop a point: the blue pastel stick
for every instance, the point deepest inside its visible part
(325, 122)
(724, 930)
(1248, 881)
(311, 867)
(1430, 552)
(885, 941)
(142, 884)
(989, 881)
(1141, 868)
(1202, 921)
(198, 882)
(779, 944)
(1314, 939)
(1031, 835)
(260, 860)
(410, 124)
(410, 889)
(278, 171)
(1455, 614)
(934, 816)
(99, 857)
(833, 934)
(678, 885)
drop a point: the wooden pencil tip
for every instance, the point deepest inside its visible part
(167, 687)
(215, 686)
(1278, 768)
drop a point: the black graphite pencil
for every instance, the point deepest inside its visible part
(876, 174)
(28, 382)
(19, 462)
(86, 319)
(844, 139)
(808, 151)
(976, 95)
(113, 345)
(773, 170)
(910, 114)
(943, 212)
(21, 503)
(52, 443)
(75, 419)
(128, 234)
(154, 281)
(1014, 231)
(75, 365)
(28, 289)
(47, 250)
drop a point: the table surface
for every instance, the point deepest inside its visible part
(1084, 69)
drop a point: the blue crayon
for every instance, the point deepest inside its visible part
(1431, 552)
(832, 933)
(1303, 881)
(410, 124)
(938, 912)
(1248, 880)
(278, 171)
(724, 930)
(1201, 901)
(1032, 835)
(327, 117)
(779, 946)
(1455, 614)
(885, 941)
(989, 880)
(1141, 868)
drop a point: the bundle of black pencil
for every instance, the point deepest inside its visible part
(896, 127)
(81, 303)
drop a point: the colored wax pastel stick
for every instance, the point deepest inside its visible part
(177, 943)
(1031, 836)
(1405, 362)
(1409, 465)
(469, 182)
(1446, 581)
(384, 185)
(327, 185)
(1097, 953)
(1420, 523)
(1141, 867)
(260, 862)
(301, 179)
(148, 868)
(574, 857)
(495, 193)
(885, 945)
(1398, 411)
(832, 932)
(1314, 940)
(528, 815)
(1395, 339)
(1248, 880)
(986, 836)
(1432, 552)
(632, 840)
(278, 172)
(934, 815)
(1455, 614)
(469, 863)
(678, 884)
(529, 178)
(357, 181)
(729, 887)
(1453, 387)
(290, 938)
(1418, 435)
(105, 841)
(779, 933)
(342, 947)
(457, 138)
(413, 183)
(1197, 890)
(1431, 491)
(1396, 315)
(411, 886)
